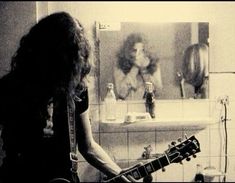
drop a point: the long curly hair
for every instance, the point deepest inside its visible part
(125, 61)
(53, 54)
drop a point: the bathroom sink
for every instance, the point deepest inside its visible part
(155, 124)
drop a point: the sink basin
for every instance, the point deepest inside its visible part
(155, 124)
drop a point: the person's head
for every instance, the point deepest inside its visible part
(134, 46)
(195, 64)
(54, 53)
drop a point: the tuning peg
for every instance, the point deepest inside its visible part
(194, 151)
(181, 157)
(180, 139)
(177, 148)
(173, 143)
(194, 155)
(163, 169)
(188, 159)
(181, 162)
(187, 154)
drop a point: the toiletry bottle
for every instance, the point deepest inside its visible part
(199, 176)
(110, 103)
(149, 99)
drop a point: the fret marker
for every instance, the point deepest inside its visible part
(149, 168)
(135, 174)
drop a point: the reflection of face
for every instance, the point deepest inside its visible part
(137, 51)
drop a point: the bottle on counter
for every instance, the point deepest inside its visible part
(110, 103)
(149, 97)
(199, 176)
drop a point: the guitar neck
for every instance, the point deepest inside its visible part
(174, 154)
(144, 170)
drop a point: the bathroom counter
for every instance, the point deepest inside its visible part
(155, 125)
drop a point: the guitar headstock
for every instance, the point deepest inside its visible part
(188, 147)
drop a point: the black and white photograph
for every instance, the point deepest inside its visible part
(117, 91)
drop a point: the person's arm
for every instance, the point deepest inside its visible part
(125, 82)
(90, 150)
(93, 152)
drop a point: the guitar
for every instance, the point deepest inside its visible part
(175, 154)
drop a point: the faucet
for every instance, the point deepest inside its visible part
(148, 155)
(147, 152)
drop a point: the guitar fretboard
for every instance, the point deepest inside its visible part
(146, 169)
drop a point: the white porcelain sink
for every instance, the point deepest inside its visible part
(156, 124)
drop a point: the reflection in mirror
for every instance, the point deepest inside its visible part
(172, 56)
(195, 69)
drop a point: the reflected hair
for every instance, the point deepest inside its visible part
(53, 53)
(195, 64)
(125, 62)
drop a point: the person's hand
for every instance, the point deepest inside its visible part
(142, 61)
(121, 175)
(129, 178)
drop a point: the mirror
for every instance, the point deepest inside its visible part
(164, 48)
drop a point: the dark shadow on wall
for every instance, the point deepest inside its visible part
(16, 19)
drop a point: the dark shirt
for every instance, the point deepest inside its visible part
(30, 155)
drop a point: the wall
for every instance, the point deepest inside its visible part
(126, 146)
(16, 19)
